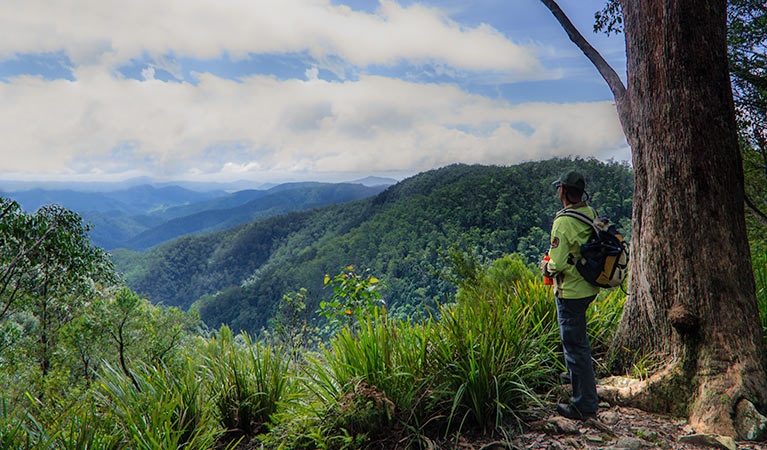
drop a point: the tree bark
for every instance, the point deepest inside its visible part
(691, 297)
(692, 292)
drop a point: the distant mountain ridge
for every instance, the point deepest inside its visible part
(144, 216)
(264, 204)
(375, 181)
(110, 186)
(9, 186)
(135, 200)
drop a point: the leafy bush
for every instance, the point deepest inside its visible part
(12, 432)
(355, 297)
(164, 409)
(247, 381)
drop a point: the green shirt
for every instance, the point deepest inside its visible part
(567, 236)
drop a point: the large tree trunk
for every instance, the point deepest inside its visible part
(692, 295)
(691, 299)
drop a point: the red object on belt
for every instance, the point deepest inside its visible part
(547, 280)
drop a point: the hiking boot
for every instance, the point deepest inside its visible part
(571, 412)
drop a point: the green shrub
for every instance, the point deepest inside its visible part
(392, 357)
(13, 434)
(488, 357)
(87, 429)
(247, 381)
(495, 351)
(356, 296)
(164, 409)
(368, 383)
(35, 425)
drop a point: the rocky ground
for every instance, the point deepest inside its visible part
(615, 428)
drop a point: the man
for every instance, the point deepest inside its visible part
(573, 295)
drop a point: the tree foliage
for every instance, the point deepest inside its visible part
(63, 315)
(747, 48)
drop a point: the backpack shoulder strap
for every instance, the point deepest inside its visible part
(577, 215)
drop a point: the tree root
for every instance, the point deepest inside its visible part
(714, 404)
(660, 393)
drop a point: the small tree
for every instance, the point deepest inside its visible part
(355, 297)
(48, 268)
(290, 323)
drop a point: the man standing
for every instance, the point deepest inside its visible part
(573, 295)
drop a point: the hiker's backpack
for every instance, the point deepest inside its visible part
(604, 258)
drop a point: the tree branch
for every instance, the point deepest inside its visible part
(9, 302)
(6, 209)
(607, 72)
(755, 211)
(26, 252)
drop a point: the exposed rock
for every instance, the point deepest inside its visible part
(563, 425)
(648, 434)
(654, 432)
(572, 443)
(710, 440)
(630, 443)
(609, 417)
(596, 424)
(593, 438)
(749, 423)
(615, 382)
(555, 445)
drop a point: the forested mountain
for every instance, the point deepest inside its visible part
(238, 275)
(278, 200)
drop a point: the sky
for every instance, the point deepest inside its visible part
(289, 90)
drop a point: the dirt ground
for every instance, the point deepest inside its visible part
(615, 428)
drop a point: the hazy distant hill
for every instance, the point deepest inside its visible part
(278, 200)
(236, 276)
(144, 216)
(375, 181)
(135, 200)
(110, 186)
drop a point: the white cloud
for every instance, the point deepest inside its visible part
(111, 32)
(148, 73)
(312, 73)
(267, 128)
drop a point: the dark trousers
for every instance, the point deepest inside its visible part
(571, 315)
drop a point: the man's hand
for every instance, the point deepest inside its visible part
(545, 269)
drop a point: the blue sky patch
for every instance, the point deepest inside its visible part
(50, 66)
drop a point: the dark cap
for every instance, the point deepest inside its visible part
(571, 179)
